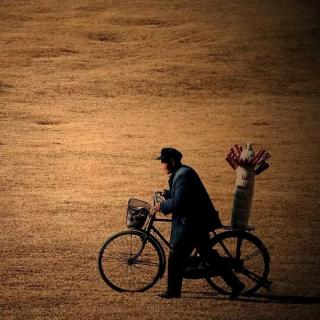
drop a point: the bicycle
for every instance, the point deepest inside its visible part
(134, 260)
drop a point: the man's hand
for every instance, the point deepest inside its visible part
(157, 207)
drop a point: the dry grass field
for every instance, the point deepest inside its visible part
(89, 93)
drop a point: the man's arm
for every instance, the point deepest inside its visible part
(180, 198)
(166, 194)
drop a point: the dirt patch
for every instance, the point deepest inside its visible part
(140, 21)
(5, 87)
(104, 37)
(50, 52)
(48, 122)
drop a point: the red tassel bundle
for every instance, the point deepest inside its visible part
(243, 157)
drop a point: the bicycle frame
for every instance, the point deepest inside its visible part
(150, 224)
(147, 232)
(151, 228)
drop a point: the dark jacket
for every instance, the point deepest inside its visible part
(188, 198)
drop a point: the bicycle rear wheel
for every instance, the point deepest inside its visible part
(252, 258)
(130, 261)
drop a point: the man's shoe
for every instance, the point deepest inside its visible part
(236, 290)
(167, 295)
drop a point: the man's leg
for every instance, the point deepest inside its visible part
(176, 263)
(212, 257)
(181, 248)
(203, 245)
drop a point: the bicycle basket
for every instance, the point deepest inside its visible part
(137, 213)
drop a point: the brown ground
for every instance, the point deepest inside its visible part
(91, 90)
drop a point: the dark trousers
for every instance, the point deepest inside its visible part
(185, 236)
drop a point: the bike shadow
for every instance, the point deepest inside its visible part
(259, 298)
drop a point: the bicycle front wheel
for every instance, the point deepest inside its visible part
(252, 260)
(130, 261)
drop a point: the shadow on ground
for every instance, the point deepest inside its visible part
(260, 298)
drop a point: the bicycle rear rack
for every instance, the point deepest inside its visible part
(231, 228)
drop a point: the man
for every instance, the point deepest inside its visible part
(193, 216)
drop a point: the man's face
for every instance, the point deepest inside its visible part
(167, 167)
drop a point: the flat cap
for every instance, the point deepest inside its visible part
(169, 153)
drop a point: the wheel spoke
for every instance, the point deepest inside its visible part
(251, 275)
(225, 249)
(145, 263)
(117, 257)
(238, 249)
(250, 256)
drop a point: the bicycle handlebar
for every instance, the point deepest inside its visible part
(157, 197)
